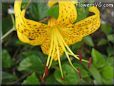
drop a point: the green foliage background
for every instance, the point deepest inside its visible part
(24, 64)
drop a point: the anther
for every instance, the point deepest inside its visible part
(62, 78)
(89, 62)
(80, 56)
(46, 71)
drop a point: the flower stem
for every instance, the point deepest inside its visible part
(6, 34)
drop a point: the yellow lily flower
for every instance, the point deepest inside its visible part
(56, 36)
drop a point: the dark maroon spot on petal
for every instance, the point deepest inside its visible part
(35, 25)
(30, 38)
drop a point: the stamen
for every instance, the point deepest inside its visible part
(52, 55)
(49, 56)
(53, 49)
(70, 62)
(71, 53)
(68, 57)
(56, 41)
(62, 45)
(50, 51)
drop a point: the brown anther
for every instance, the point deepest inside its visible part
(89, 62)
(79, 72)
(80, 56)
(46, 71)
(62, 78)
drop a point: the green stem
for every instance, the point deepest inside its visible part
(13, 20)
(6, 34)
(11, 30)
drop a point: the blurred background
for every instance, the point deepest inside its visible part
(24, 64)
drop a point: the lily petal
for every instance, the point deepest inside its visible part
(29, 31)
(75, 33)
(90, 24)
(67, 11)
(17, 7)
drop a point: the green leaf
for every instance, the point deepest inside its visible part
(43, 10)
(96, 75)
(82, 13)
(50, 80)
(54, 11)
(6, 59)
(35, 52)
(102, 42)
(6, 19)
(37, 11)
(88, 40)
(107, 72)
(108, 82)
(28, 53)
(110, 51)
(8, 78)
(34, 11)
(83, 72)
(110, 60)
(86, 81)
(81, 1)
(31, 80)
(91, 1)
(70, 75)
(31, 63)
(111, 38)
(106, 28)
(98, 58)
(42, 56)
(76, 46)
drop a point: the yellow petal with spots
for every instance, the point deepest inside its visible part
(90, 24)
(75, 33)
(22, 37)
(67, 11)
(17, 7)
(29, 31)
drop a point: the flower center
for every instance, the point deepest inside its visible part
(56, 41)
